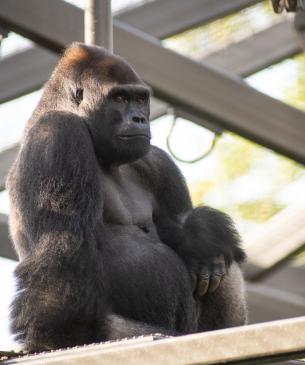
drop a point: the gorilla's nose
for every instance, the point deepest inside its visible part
(139, 120)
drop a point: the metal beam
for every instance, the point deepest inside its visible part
(290, 277)
(268, 304)
(277, 240)
(165, 18)
(260, 344)
(227, 101)
(159, 18)
(58, 22)
(28, 70)
(259, 51)
(25, 72)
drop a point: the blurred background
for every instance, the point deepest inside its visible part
(229, 102)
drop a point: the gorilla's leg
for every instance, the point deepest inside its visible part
(120, 327)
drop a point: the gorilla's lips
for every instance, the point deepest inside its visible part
(127, 137)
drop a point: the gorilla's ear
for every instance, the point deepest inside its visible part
(79, 95)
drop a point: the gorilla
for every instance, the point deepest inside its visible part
(109, 243)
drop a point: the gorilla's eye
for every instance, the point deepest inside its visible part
(120, 99)
(79, 96)
(140, 99)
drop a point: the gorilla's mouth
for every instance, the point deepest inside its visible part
(126, 137)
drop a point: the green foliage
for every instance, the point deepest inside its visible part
(237, 157)
(259, 210)
(288, 171)
(198, 189)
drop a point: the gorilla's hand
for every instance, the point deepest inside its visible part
(210, 245)
(207, 276)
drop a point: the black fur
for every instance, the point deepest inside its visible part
(109, 243)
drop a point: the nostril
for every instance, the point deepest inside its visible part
(139, 120)
(136, 119)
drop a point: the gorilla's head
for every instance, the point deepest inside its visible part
(110, 96)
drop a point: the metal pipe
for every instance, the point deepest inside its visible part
(98, 23)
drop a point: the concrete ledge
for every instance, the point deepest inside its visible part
(259, 343)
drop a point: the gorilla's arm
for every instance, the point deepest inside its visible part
(56, 191)
(173, 203)
(204, 237)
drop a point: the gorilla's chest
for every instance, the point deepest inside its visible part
(126, 201)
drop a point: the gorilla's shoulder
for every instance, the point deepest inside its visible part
(154, 160)
(157, 166)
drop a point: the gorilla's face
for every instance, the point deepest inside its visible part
(120, 126)
(112, 99)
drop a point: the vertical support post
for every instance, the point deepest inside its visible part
(98, 23)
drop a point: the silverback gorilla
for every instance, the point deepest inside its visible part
(109, 243)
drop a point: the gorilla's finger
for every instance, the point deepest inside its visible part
(203, 286)
(203, 281)
(215, 280)
(218, 273)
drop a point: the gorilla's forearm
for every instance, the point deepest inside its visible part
(59, 278)
(208, 233)
(53, 184)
